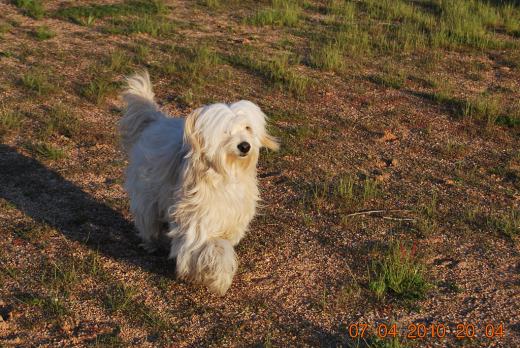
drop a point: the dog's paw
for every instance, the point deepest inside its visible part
(149, 247)
(221, 284)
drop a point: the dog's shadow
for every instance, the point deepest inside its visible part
(48, 198)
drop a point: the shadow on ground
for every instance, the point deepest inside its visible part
(46, 197)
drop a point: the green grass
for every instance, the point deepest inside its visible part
(52, 305)
(141, 51)
(98, 90)
(33, 8)
(124, 299)
(36, 82)
(509, 223)
(400, 272)
(388, 81)
(327, 57)
(65, 121)
(149, 24)
(79, 13)
(5, 27)
(373, 27)
(282, 12)
(119, 61)
(9, 121)
(484, 108)
(46, 151)
(44, 33)
(191, 67)
(277, 69)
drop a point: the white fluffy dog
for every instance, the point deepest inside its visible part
(192, 182)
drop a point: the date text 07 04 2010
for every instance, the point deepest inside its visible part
(422, 331)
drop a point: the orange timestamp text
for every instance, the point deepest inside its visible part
(422, 331)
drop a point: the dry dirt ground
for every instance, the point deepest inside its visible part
(384, 130)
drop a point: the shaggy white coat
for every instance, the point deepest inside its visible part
(192, 190)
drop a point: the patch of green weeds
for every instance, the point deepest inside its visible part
(141, 51)
(6, 205)
(211, 3)
(123, 299)
(327, 57)
(508, 224)
(32, 8)
(65, 121)
(47, 151)
(87, 21)
(36, 82)
(9, 121)
(278, 70)
(476, 77)
(485, 108)
(151, 25)
(51, 305)
(119, 61)
(452, 148)
(112, 10)
(281, 12)
(191, 67)
(388, 81)
(510, 121)
(98, 89)
(400, 272)
(455, 287)
(44, 33)
(116, 26)
(111, 339)
(5, 27)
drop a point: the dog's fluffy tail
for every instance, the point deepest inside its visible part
(140, 110)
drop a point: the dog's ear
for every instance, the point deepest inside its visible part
(271, 142)
(191, 135)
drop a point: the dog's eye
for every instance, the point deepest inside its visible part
(248, 129)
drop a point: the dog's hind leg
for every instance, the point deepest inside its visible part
(149, 225)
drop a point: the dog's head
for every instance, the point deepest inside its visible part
(227, 137)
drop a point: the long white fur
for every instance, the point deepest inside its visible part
(192, 190)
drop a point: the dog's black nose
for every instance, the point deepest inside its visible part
(244, 147)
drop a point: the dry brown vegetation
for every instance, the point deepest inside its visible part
(406, 108)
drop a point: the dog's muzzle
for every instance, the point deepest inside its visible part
(244, 148)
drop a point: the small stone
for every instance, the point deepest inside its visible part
(387, 137)
(380, 164)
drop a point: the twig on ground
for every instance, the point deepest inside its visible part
(379, 211)
(398, 219)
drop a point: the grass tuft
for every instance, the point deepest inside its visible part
(151, 25)
(47, 151)
(34, 9)
(35, 82)
(400, 272)
(44, 33)
(97, 90)
(282, 12)
(101, 11)
(9, 121)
